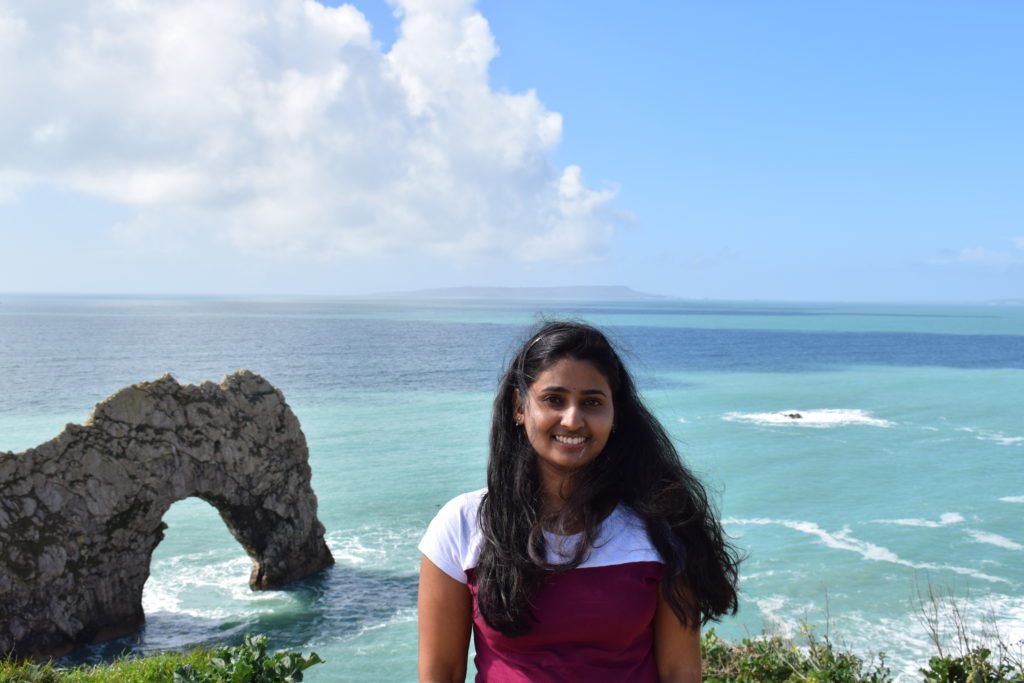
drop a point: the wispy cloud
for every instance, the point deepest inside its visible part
(284, 127)
(984, 257)
(980, 256)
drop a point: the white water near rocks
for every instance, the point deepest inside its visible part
(904, 467)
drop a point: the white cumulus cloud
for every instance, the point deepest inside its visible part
(284, 126)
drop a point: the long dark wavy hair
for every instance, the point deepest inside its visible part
(639, 467)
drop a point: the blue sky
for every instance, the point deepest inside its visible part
(864, 151)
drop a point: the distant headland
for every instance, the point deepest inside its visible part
(574, 293)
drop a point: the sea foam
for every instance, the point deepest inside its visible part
(995, 539)
(824, 417)
(224, 585)
(945, 519)
(995, 437)
(843, 540)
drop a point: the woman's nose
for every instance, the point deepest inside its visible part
(572, 417)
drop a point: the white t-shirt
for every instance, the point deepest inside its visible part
(452, 541)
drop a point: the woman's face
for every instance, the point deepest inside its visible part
(568, 415)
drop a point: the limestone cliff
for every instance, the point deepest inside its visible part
(81, 514)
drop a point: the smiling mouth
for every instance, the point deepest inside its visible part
(570, 440)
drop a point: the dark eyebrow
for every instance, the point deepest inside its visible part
(563, 390)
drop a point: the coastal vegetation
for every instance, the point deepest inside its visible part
(775, 659)
(765, 659)
(246, 663)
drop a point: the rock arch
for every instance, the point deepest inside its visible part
(81, 514)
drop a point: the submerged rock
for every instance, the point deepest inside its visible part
(81, 514)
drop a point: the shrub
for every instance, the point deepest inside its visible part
(772, 659)
(973, 667)
(249, 663)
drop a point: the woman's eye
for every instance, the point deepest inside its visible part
(593, 402)
(552, 399)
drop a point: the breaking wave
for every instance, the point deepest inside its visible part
(843, 540)
(995, 539)
(995, 437)
(825, 417)
(945, 519)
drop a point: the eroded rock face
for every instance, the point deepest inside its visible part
(81, 514)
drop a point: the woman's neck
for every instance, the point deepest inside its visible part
(553, 509)
(554, 491)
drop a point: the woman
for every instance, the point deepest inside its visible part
(593, 553)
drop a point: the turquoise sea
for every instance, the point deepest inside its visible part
(905, 469)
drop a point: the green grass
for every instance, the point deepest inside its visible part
(247, 663)
(125, 670)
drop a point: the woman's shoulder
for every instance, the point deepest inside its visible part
(452, 540)
(463, 505)
(460, 513)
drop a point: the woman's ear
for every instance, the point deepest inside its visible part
(518, 414)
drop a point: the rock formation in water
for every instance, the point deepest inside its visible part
(81, 514)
